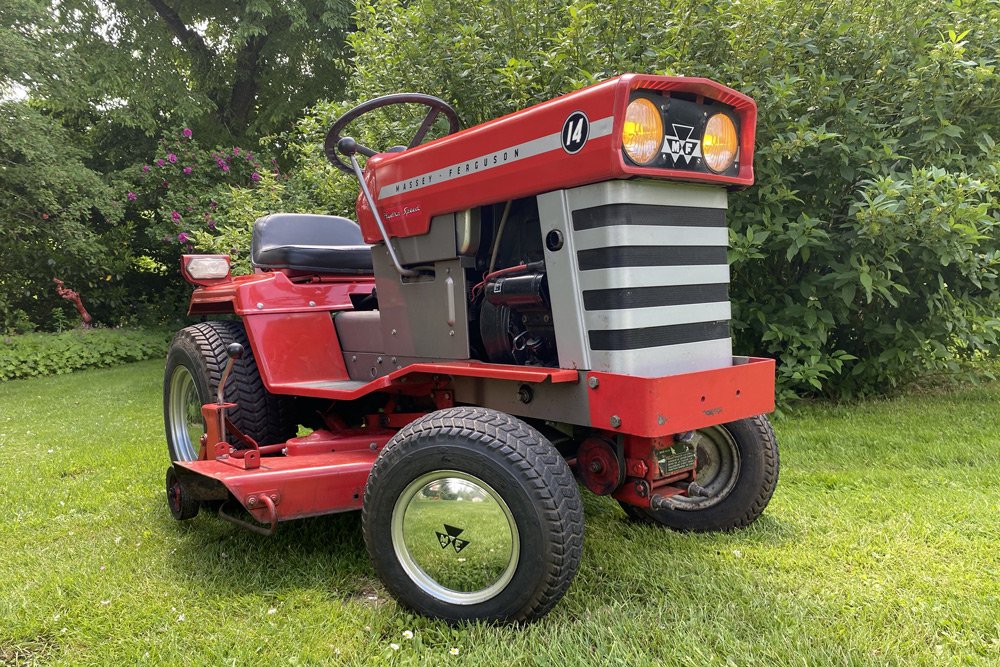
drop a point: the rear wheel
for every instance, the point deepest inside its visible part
(471, 514)
(738, 469)
(195, 362)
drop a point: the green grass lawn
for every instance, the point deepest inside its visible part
(880, 547)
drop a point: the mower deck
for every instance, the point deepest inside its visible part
(296, 486)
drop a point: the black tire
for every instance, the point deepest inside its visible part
(756, 451)
(516, 464)
(182, 505)
(200, 351)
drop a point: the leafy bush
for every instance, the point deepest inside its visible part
(58, 219)
(37, 354)
(867, 253)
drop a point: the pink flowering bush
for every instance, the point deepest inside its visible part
(178, 192)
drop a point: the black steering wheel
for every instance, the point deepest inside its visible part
(333, 137)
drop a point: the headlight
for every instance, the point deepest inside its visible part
(205, 267)
(720, 143)
(642, 133)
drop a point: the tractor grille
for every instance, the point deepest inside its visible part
(651, 277)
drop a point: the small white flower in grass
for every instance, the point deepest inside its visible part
(453, 651)
(408, 634)
(737, 553)
(272, 610)
(105, 603)
(180, 618)
(51, 450)
(394, 647)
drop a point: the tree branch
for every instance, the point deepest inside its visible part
(201, 53)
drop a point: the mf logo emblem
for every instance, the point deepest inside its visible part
(450, 537)
(575, 132)
(681, 145)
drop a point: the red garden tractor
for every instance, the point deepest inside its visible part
(525, 306)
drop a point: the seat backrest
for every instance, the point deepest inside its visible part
(310, 243)
(303, 229)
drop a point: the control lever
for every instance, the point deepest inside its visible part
(234, 351)
(348, 147)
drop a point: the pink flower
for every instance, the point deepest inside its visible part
(236, 150)
(160, 162)
(212, 204)
(171, 158)
(187, 132)
(164, 184)
(145, 168)
(255, 177)
(131, 196)
(182, 237)
(175, 216)
(225, 167)
(211, 225)
(187, 170)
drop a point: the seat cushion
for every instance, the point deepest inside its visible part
(306, 242)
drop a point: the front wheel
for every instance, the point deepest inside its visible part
(738, 468)
(471, 514)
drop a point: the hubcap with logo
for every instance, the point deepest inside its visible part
(455, 537)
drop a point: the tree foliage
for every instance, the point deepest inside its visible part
(230, 70)
(58, 219)
(867, 252)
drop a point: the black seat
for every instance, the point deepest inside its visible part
(312, 243)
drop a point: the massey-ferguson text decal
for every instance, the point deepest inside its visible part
(580, 130)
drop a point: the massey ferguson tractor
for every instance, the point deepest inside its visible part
(526, 306)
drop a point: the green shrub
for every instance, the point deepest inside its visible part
(867, 252)
(35, 354)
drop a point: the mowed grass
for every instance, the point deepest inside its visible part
(879, 548)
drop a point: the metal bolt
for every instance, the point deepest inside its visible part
(379, 360)
(593, 382)
(393, 332)
(312, 303)
(274, 497)
(372, 446)
(260, 306)
(354, 357)
(252, 501)
(661, 420)
(394, 360)
(451, 333)
(616, 421)
(595, 466)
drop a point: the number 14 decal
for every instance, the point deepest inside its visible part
(575, 132)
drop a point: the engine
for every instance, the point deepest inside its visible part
(515, 314)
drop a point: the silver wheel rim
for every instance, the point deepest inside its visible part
(184, 415)
(717, 470)
(455, 537)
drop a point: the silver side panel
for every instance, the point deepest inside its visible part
(671, 359)
(640, 285)
(424, 317)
